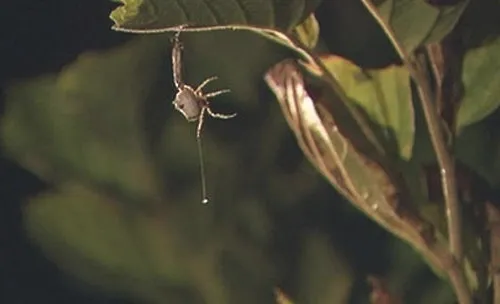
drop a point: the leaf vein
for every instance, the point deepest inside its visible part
(184, 10)
(242, 8)
(217, 17)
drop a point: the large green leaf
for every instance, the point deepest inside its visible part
(162, 14)
(317, 283)
(384, 95)
(481, 78)
(308, 32)
(136, 252)
(85, 122)
(416, 22)
(97, 117)
(94, 236)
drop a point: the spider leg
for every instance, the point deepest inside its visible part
(213, 94)
(220, 116)
(204, 83)
(176, 60)
(200, 121)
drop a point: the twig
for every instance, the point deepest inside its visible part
(446, 163)
(268, 32)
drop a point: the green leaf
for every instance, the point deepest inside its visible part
(132, 251)
(85, 122)
(308, 32)
(163, 14)
(324, 274)
(417, 23)
(481, 79)
(95, 237)
(385, 97)
(95, 119)
(272, 19)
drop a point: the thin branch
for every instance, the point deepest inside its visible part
(445, 160)
(268, 32)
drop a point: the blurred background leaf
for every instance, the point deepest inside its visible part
(96, 124)
(385, 96)
(124, 173)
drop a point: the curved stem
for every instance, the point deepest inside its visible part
(444, 158)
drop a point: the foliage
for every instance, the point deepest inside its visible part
(122, 212)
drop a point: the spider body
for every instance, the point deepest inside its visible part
(189, 103)
(192, 103)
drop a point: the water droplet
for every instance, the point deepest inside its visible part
(204, 201)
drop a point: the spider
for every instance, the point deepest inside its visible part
(192, 103)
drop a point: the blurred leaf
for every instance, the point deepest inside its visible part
(133, 251)
(308, 31)
(85, 121)
(417, 23)
(478, 146)
(97, 117)
(406, 274)
(384, 95)
(162, 14)
(94, 236)
(481, 72)
(437, 294)
(324, 275)
(102, 133)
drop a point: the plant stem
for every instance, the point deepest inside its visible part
(444, 158)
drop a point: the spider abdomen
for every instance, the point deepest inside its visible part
(189, 103)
